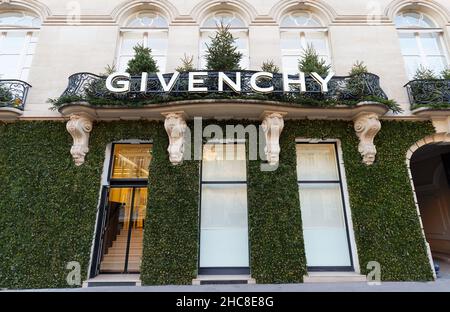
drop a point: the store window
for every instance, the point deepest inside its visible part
(148, 29)
(237, 27)
(19, 33)
(298, 31)
(422, 43)
(223, 220)
(325, 229)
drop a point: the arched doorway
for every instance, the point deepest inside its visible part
(430, 170)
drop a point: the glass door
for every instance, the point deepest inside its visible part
(119, 242)
(123, 234)
(322, 208)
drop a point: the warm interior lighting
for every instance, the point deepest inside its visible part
(131, 161)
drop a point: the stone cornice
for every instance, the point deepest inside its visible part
(84, 20)
(182, 20)
(222, 109)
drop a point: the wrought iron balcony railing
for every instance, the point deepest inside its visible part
(13, 93)
(433, 93)
(341, 90)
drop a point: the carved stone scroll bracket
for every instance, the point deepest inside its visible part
(79, 127)
(367, 126)
(175, 126)
(272, 125)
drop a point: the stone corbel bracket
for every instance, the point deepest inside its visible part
(272, 126)
(367, 126)
(175, 126)
(79, 126)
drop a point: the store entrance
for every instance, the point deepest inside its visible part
(430, 168)
(120, 227)
(123, 230)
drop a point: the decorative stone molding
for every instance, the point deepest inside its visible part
(175, 126)
(272, 126)
(367, 126)
(79, 127)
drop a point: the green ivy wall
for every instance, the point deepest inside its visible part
(48, 206)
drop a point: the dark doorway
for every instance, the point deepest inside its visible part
(430, 168)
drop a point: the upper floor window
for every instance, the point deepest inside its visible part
(421, 42)
(237, 27)
(18, 39)
(298, 31)
(148, 29)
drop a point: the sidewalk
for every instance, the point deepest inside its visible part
(441, 285)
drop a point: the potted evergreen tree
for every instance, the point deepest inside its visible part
(142, 61)
(222, 54)
(310, 62)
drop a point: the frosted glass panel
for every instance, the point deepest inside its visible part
(161, 63)
(408, 43)
(321, 205)
(316, 162)
(129, 41)
(157, 41)
(8, 66)
(224, 226)
(13, 43)
(318, 41)
(431, 44)
(436, 63)
(123, 63)
(290, 41)
(324, 227)
(326, 247)
(412, 64)
(241, 39)
(224, 162)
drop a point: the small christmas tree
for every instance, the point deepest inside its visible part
(142, 62)
(222, 54)
(425, 73)
(356, 84)
(270, 67)
(358, 68)
(187, 64)
(311, 62)
(445, 74)
(109, 69)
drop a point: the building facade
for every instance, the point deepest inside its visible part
(348, 179)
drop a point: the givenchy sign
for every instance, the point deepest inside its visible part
(120, 82)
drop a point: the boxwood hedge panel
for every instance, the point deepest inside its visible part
(385, 220)
(48, 205)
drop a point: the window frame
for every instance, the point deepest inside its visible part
(223, 270)
(416, 32)
(301, 32)
(211, 30)
(145, 36)
(126, 182)
(30, 32)
(341, 184)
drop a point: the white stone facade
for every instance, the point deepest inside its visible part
(84, 35)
